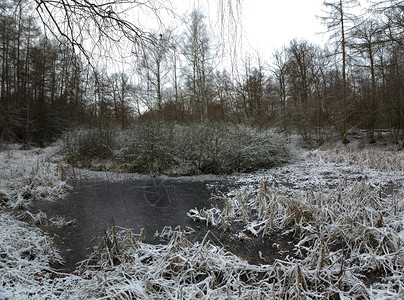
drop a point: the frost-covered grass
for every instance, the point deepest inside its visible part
(366, 158)
(27, 175)
(347, 216)
(26, 253)
(123, 268)
(178, 149)
(346, 211)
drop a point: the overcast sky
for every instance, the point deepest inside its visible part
(269, 24)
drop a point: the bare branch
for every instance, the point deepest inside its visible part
(101, 29)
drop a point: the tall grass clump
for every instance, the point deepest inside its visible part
(347, 237)
(123, 267)
(27, 254)
(30, 175)
(347, 243)
(369, 158)
(159, 147)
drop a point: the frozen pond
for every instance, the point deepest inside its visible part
(136, 201)
(132, 201)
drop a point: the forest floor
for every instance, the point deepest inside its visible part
(327, 225)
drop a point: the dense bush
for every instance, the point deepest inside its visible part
(180, 149)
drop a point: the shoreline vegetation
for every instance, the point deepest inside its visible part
(172, 149)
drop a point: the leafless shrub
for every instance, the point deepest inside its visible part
(158, 147)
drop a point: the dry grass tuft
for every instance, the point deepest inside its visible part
(349, 235)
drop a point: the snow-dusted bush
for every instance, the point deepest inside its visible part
(126, 268)
(159, 147)
(149, 148)
(223, 149)
(90, 143)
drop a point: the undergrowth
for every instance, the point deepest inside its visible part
(177, 149)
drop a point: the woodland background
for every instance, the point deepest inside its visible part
(49, 86)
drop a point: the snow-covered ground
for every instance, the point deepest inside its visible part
(344, 205)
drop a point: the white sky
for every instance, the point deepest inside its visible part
(269, 24)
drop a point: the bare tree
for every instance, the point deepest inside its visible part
(337, 21)
(120, 92)
(279, 71)
(367, 43)
(154, 68)
(197, 51)
(391, 15)
(302, 71)
(116, 27)
(224, 97)
(252, 89)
